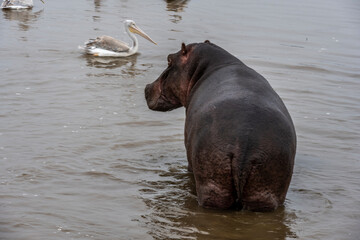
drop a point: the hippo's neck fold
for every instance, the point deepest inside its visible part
(201, 72)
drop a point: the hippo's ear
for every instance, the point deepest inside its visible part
(207, 41)
(183, 49)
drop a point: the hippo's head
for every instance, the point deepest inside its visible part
(171, 90)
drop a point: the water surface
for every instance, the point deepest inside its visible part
(83, 158)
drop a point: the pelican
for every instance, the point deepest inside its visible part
(106, 46)
(17, 4)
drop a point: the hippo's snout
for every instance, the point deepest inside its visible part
(157, 99)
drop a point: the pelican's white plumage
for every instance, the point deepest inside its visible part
(106, 46)
(17, 4)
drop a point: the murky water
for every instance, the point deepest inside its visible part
(83, 158)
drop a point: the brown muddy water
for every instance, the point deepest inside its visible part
(83, 158)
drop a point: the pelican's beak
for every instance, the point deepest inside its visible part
(137, 30)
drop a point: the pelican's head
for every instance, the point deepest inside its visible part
(131, 25)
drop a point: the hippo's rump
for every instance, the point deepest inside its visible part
(235, 117)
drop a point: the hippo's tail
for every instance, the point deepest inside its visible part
(251, 194)
(239, 179)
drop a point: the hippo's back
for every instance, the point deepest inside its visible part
(236, 117)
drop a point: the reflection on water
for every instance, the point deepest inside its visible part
(176, 6)
(25, 17)
(97, 4)
(112, 62)
(128, 66)
(176, 214)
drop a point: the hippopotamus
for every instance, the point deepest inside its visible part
(239, 137)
